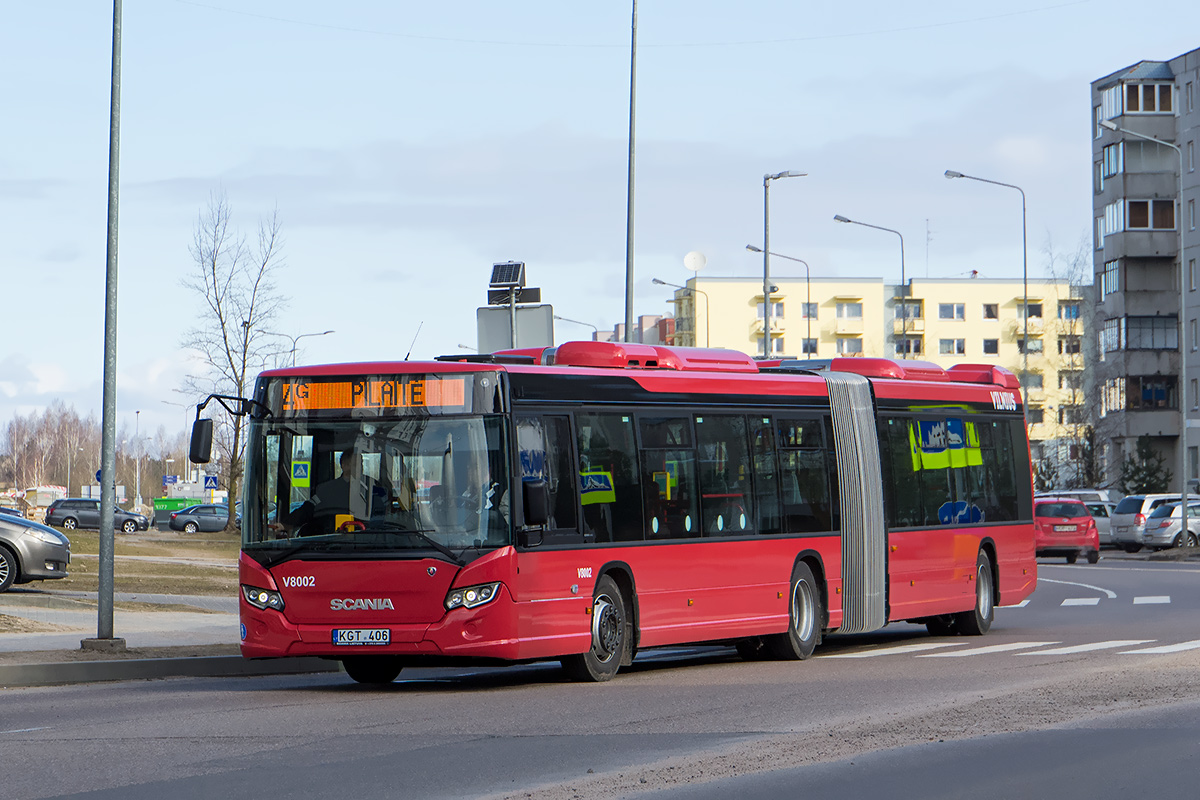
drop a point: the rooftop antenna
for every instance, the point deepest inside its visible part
(414, 341)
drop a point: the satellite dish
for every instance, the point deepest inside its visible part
(695, 261)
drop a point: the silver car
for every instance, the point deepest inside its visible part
(1102, 513)
(1163, 526)
(31, 551)
(1129, 518)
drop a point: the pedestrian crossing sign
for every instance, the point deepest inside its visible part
(300, 476)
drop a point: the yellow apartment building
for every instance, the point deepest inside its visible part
(946, 321)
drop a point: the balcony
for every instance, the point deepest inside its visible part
(1141, 244)
(777, 326)
(902, 326)
(849, 326)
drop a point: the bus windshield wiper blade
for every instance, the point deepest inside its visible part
(391, 527)
(288, 552)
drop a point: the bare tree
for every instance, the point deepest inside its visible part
(240, 298)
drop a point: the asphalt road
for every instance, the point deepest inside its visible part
(1096, 672)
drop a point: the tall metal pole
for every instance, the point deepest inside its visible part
(903, 278)
(766, 353)
(629, 202)
(108, 459)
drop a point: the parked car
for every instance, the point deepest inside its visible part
(1086, 495)
(12, 512)
(1164, 524)
(1102, 514)
(83, 512)
(1062, 526)
(31, 551)
(1129, 518)
(204, 517)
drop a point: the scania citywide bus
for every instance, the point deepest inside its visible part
(581, 503)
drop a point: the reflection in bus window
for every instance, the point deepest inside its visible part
(545, 454)
(669, 478)
(804, 476)
(610, 492)
(766, 476)
(726, 497)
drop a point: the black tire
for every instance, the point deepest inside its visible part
(941, 626)
(1093, 556)
(70, 524)
(1131, 548)
(375, 670)
(1071, 557)
(8, 569)
(190, 527)
(611, 637)
(978, 620)
(1184, 541)
(129, 526)
(806, 616)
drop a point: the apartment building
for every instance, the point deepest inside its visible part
(946, 321)
(1144, 125)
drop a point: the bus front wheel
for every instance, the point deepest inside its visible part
(611, 643)
(805, 615)
(978, 620)
(377, 670)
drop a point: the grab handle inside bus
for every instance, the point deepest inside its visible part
(201, 447)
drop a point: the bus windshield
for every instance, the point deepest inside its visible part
(384, 487)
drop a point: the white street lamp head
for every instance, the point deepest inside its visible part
(952, 174)
(840, 218)
(658, 282)
(753, 249)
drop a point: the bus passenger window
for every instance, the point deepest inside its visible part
(669, 478)
(610, 492)
(766, 476)
(726, 490)
(903, 492)
(545, 454)
(804, 476)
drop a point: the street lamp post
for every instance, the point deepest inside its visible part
(903, 279)
(578, 322)
(950, 175)
(1182, 393)
(707, 306)
(767, 253)
(807, 286)
(295, 339)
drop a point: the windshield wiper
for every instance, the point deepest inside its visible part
(391, 527)
(288, 552)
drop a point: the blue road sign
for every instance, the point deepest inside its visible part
(97, 476)
(210, 481)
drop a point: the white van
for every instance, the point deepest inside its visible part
(1087, 495)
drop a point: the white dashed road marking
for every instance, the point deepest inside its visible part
(994, 648)
(1162, 598)
(899, 649)
(1021, 604)
(1087, 648)
(1081, 601)
(1166, 648)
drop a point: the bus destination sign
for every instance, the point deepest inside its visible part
(439, 394)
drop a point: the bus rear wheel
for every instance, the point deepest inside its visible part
(376, 670)
(611, 644)
(978, 620)
(805, 616)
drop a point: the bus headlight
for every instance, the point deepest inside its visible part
(472, 596)
(262, 598)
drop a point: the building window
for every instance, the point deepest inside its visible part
(1035, 346)
(776, 310)
(777, 345)
(1097, 118)
(1070, 345)
(1156, 215)
(1195, 389)
(808, 311)
(1070, 379)
(1150, 392)
(1192, 274)
(1193, 462)
(1114, 218)
(1098, 238)
(1148, 98)
(1032, 380)
(908, 309)
(952, 311)
(991, 311)
(1188, 92)
(952, 347)
(1152, 333)
(910, 345)
(1110, 103)
(1191, 156)
(1142, 156)
(1192, 335)
(1110, 280)
(991, 347)
(1068, 309)
(849, 346)
(1033, 310)
(1110, 336)
(1192, 214)
(1111, 161)
(1070, 415)
(1112, 396)
(849, 310)
(809, 347)
(1036, 417)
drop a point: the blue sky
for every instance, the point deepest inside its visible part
(408, 146)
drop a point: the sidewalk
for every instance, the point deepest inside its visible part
(166, 636)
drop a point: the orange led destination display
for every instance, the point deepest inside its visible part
(443, 394)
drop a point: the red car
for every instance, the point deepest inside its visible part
(1063, 526)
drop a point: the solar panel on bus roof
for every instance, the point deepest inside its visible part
(509, 273)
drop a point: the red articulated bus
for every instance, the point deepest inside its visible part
(581, 503)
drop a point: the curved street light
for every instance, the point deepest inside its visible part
(707, 306)
(767, 253)
(807, 286)
(295, 339)
(903, 280)
(578, 322)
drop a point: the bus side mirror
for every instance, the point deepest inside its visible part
(536, 498)
(201, 448)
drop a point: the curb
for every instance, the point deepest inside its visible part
(71, 672)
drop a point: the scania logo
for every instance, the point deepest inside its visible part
(432, 571)
(361, 604)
